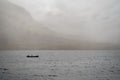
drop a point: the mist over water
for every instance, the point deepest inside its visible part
(59, 24)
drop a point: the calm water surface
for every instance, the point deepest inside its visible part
(60, 65)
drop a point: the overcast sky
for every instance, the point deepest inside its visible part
(88, 20)
(96, 19)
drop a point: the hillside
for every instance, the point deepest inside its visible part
(19, 31)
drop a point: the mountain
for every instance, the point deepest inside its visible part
(19, 31)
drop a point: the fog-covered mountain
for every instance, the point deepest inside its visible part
(18, 30)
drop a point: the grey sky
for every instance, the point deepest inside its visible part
(96, 18)
(94, 21)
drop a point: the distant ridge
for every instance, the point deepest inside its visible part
(19, 31)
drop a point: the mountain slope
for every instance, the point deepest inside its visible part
(18, 30)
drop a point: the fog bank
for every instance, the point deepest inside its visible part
(59, 24)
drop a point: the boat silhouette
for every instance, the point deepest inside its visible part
(32, 56)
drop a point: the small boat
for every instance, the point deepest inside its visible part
(32, 56)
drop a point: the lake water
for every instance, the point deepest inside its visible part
(60, 65)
